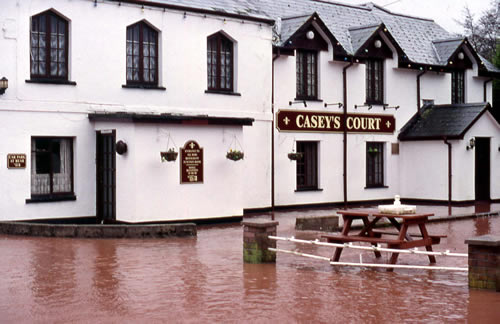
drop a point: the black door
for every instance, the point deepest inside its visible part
(106, 176)
(482, 168)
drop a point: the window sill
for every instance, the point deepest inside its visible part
(51, 81)
(308, 99)
(308, 189)
(230, 93)
(53, 198)
(377, 187)
(143, 86)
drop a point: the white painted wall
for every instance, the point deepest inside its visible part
(97, 65)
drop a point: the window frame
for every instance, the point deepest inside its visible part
(48, 31)
(141, 82)
(53, 196)
(309, 162)
(371, 90)
(375, 165)
(458, 87)
(302, 87)
(220, 38)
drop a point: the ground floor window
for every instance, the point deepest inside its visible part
(374, 164)
(51, 166)
(307, 166)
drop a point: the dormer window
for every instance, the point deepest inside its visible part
(375, 81)
(49, 47)
(458, 87)
(142, 55)
(220, 70)
(307, 74)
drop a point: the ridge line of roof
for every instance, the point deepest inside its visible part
(335, 3)
(400, 15)
(458, 38)
(299, 16)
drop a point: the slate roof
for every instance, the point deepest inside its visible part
(438, 121)
(359, 35)
(420, 39)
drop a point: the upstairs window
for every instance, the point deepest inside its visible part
(307, 74)
(374, 164)
(49, 47)
(142, 55)
(457, 87)
(51, 166)
(307, 166)
(220, 63)
(375, 82)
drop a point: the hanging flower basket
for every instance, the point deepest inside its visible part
(169, 156)
(295, 156)
(235, 155)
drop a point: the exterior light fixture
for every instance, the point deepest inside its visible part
(451, 62)
(121, 147)
(310, 34)
(378, 43)
(4, 84)
(472, 143)
(461, 56)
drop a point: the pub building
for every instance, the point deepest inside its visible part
(161, 110)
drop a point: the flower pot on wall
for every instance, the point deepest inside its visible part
(295, 156)
(235, 155)
(169, 156)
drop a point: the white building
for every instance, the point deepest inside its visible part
(97, 89)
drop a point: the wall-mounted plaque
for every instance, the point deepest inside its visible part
(191, 163)
(16, 161)
(327, 122)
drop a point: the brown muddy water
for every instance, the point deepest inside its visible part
(204, 280)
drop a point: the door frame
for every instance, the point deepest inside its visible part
(99, 186)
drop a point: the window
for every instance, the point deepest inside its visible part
(220, 63)
(51, 166)
(49, 47)
(307, 75)
(142, 55)
(307, 166)
(374, 164)
(375, 82)
(457, 87)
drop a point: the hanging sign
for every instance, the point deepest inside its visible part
(191, 163)
(16, 161)
(312, 121)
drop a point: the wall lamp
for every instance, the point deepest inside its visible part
(334, 104)
(4, 84)
(472, 143)
(296, 102)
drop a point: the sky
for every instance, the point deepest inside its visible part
(441, 11)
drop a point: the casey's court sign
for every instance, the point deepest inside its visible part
(327, 122)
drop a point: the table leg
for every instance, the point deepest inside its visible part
(367, 229)
(425, 235)
(402, 235)
(345, 231)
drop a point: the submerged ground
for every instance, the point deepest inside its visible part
(204, 279)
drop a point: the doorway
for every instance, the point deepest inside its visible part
(106, 176)
(482, 172)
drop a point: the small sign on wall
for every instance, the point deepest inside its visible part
(16, 161)
(191, 163)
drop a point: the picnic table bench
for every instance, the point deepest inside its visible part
(368, 234)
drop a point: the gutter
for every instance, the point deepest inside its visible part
(449, 173)
(418, 90)
(344, 77)
(486, 88)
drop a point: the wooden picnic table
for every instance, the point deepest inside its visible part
(401, 238)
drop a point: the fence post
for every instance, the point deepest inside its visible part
(484, 262)
(256, 241)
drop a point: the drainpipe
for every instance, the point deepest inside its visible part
(272, 134)
(449, 174)
(344, 76)
(486, 88)
(418, 90)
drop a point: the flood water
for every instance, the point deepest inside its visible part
(204, 280)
